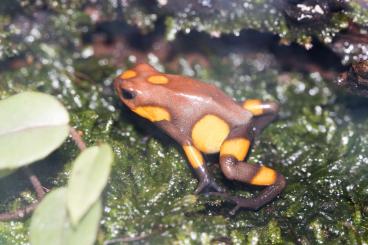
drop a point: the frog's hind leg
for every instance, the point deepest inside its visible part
(232, 152)
(264, 112)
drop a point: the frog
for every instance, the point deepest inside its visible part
(204, 120)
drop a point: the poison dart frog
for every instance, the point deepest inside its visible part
(204, 120)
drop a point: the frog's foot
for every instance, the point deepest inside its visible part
(207, 184)
(247, 203)
(241, 202)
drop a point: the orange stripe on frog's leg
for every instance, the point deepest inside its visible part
(233, 151)
(258, 107)
(128, 74)
(194, 156)
(255, 175)
(236, 147)
(206, 182)
(264, 176)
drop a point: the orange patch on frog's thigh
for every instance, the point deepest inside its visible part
(264, 176)
(194, 156)
(128, 74)
(209, 132)
(158, 79)
(153, 113)
(236, 147)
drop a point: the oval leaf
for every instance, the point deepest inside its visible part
(85, 232)
(49, 219)
(50, 223)
(32, 125)
(88, 178)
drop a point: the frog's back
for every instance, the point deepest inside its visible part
(205, 99)
(187, 85)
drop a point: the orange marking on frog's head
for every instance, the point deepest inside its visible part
(140, 86)
(128, 74)
(158, 79)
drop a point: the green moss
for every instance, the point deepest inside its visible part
(319, 142)
(13, 232)
(359, 13)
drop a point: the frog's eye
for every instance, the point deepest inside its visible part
(128, 95)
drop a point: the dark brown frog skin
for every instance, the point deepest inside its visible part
(203, 119)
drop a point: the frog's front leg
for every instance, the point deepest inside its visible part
(232, 152)
(206, 181)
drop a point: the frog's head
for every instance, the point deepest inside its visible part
(137, 86)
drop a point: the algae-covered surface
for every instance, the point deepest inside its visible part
(319, 143)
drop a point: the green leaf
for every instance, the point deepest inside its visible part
(88, 178)
(50, 223)
(32, 125)
(86, 231)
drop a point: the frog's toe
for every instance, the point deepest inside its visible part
(240, 202)
(206, 185)
(247, 203)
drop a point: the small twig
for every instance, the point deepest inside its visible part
(23, 212)
(80, 75)
(357, 38)
(18, 214)
(35, 183)
(77, 139)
